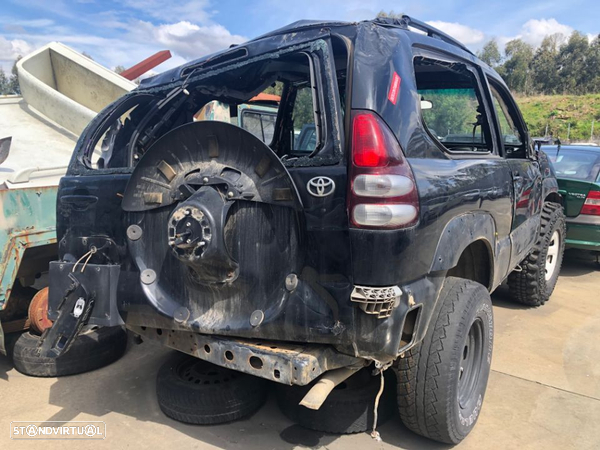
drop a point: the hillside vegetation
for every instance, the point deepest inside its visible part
(558, 111)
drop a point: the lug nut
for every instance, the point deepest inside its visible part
(230, 194)
(188, 224)
(187, 212)
(205, 180)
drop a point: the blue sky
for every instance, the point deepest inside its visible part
(123, 32)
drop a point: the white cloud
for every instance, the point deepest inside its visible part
(10, 50)
(186, 39)
(193, 10)
(535, 30)
(463, 33)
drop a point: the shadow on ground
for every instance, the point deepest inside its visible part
(576, 263)
(127, 387)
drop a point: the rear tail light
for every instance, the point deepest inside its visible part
(376, 215)
(384, 185)
(592, 204)
(383, 193)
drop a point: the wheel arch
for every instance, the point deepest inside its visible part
(554, 197)
(466, 250)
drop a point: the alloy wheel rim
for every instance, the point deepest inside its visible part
(552, 255)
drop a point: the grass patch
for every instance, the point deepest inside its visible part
(558, 111)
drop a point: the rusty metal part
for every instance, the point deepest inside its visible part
(38, 311)
(285, 363)
(321, 390)
(15, 325)
(147, 64)
(18, 233)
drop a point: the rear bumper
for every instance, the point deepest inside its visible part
(286, 363)
(301, 316)
(583, 232)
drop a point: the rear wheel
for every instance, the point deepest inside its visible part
(534, 283)
(194, 391)
(442, 381)
(90, 350)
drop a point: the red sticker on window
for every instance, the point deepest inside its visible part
(394, 88)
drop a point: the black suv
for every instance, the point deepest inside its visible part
(375, 243)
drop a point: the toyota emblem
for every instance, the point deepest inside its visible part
(320, 186)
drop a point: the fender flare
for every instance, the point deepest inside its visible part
(460, 232)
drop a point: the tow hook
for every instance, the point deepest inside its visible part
(73, 312)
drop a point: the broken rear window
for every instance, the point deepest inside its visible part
(279, 98)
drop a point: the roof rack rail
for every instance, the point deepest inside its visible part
(405, 21)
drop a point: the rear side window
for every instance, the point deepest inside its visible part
(511, 135)
(451, 106)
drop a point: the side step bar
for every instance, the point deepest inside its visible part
(283, 362)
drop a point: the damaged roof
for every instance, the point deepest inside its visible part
(296, 32)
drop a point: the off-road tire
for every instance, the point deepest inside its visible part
(194, 391)
(348, 409)
(90, 351)
(529, 285)
(429, 375)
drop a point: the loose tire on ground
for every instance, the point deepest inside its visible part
(194, 391)
(90, 351)
(532, 286)
(442, 381)
(349, 407)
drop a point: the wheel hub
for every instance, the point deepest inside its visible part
(189, 233)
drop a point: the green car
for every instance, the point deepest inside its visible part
(578, 172)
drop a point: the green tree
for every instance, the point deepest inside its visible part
(572, 65)
(544, 65)
(516, 67)
(490, 54)
(13, 82)
(593, 66)
(3, 83)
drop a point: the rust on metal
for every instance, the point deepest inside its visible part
(286, 363)
(38, 311)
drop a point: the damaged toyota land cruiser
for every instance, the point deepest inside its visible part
(399, 188)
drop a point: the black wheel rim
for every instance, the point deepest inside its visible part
(196, 371)
(471, 361)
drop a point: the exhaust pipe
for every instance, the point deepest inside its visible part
(317, 395)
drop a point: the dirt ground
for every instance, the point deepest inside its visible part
(544, 390)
